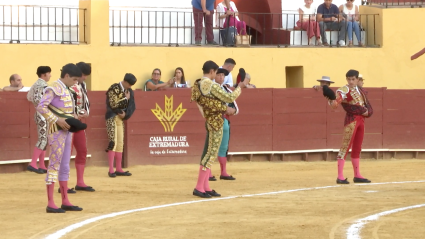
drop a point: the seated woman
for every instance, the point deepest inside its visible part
(308, 21)
(178, 81)
(155, 83)
(247, 79)
(230, 17)
(351, 14)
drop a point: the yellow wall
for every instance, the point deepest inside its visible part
(399, 32)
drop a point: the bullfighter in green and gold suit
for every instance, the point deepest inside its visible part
(211, 100)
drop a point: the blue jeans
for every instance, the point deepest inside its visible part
(356, 27)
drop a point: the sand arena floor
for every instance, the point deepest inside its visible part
(325, 212)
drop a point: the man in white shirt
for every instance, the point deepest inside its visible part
(16, 84)
(229, 64)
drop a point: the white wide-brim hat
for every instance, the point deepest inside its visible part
(326, 79)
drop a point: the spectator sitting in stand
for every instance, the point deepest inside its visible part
(155, 83)
(326, 80)
(248, 81)
(308, 21)
(351, 14)
(329, 17)
(230, 18)
(178, 81)
(16, 84)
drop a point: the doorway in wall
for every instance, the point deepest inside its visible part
(294, 76)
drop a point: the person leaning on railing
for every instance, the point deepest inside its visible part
(326, 80)
(203, 10)
(155, 83)
(308, 21)
(230, 18)
(16, 84)
(351, 13)
(329, 17)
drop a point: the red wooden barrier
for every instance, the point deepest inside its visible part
(15, 126)
(269, 120)
(404, 119)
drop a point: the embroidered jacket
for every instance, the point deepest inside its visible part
(56, 102)
(211, 100)
(36, 91)
(116, 102)
(354, 101)
(81, 98)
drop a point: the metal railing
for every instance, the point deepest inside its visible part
(175, 28)
(398, 3)
(39, 24)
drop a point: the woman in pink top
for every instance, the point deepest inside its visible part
(308, 21)
(231, 17)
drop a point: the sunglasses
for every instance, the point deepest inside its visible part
(350, 0)
(156, 74)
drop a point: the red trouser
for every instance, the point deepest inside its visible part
(198, 18)
(353, 138)
(312, 28)
(80, 144)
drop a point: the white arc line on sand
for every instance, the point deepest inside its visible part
(353, 232)
(72, 227)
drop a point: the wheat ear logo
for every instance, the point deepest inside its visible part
(168, 117)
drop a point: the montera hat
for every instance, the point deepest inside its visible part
(326, 79)
(223, 71)
(75, 124)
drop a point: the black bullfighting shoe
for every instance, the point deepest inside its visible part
(88, 188)
(200, 194)
(70, 190)
(53, 210)
(212, 178)
(339, 181)
(71, 208)
(127, 173)
(227, 177)
(361, 180)
(213, 193)
(35, 170)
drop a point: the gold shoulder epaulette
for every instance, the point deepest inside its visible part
(344, 89)
(206, 85)
(57, 88)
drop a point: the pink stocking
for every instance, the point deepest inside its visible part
(50, 201)
(80, 175)
(64, 192)
(41, 163)
(118, 161)
(207, 181)
(223, 162)
(341, 163)
(36, 153)
(356, 167)
(201, 178)
(111, 155)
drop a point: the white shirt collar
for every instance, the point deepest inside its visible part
(122, 87)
